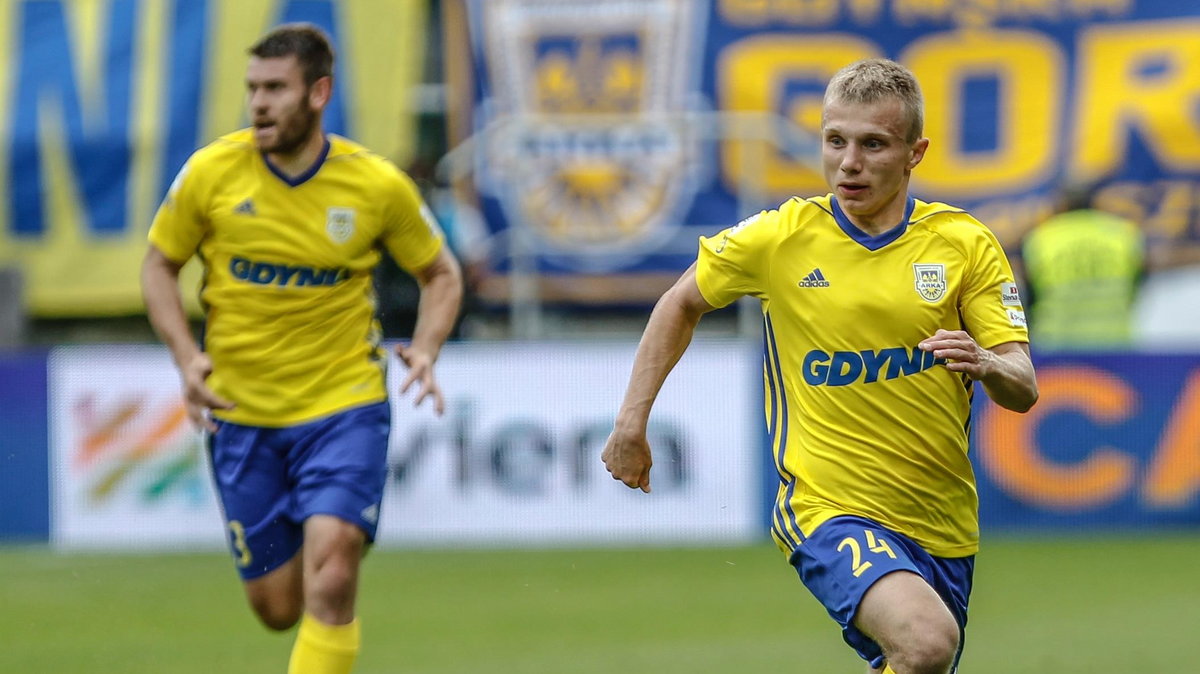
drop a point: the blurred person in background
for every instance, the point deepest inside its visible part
(290, 382)
(880, 311)
(1082, 267)
(466, 234)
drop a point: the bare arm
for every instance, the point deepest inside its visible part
(160, 291)
(1005, 370)
(441, 299)
(668, 333)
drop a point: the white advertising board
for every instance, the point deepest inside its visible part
(127, 470)
(514, 461)
(515, 458)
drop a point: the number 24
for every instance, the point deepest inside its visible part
(873, 544)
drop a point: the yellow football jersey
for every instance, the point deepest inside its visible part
(861, 421)
(288, 262)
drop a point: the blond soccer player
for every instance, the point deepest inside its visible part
(880, 311)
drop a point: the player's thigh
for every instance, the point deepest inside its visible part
(847, 557)
(840, 561)
(252, 482)
(340, 469)
(901, 608)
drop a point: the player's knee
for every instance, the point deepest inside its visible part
(928, 650)
(276, 614)
(333, 566)
(335, 577)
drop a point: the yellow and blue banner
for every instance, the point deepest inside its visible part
(105, 100)
(584, 111)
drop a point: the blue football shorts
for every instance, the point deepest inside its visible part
(270, 480)
(844, 557)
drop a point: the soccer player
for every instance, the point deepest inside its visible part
(879, 312)
(289, 384)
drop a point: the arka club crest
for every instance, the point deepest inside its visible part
(339, 223)
(930, 281)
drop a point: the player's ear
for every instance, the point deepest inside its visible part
(917, 153)
(320, 92)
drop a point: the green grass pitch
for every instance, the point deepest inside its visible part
(1112, 606)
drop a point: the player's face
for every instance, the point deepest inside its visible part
(280, 104)
(867, 161)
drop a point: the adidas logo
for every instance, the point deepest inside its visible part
(245, 208)
(371, 513)
(815, 279)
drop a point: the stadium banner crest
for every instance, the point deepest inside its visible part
(1020, 97)
(585, 144)
(104, 101)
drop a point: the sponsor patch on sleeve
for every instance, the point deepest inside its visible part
(748, 221)
(1017, 318)
(431, 221)
(1009, 296)
(169, 200)
(733, 230)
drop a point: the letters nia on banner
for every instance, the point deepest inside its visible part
(591, 152)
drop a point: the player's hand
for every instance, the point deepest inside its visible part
(198, 398)
(626, 455)
(420, 369)
(961, 352)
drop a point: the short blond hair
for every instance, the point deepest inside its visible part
(872, 80)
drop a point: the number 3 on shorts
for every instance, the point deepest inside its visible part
(857, 564)
(239, 543)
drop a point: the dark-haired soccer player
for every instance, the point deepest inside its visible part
(288, 222)
(880, 311)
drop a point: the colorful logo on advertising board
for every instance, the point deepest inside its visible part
(134, 447)
(127, 468)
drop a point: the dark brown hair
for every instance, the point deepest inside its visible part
(308, 43)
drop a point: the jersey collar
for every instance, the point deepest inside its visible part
(303, 177)
(866, 240)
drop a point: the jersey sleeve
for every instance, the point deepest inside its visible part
(734, 262)
(991, 305)
(181, 221)
(410, 231)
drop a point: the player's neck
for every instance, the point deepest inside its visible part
(883, 220)
(302, 159)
